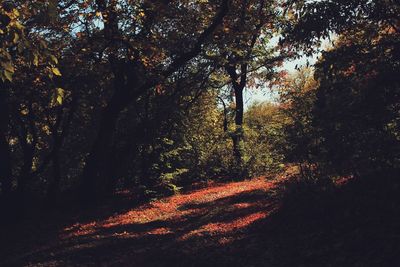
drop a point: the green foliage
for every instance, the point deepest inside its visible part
(264, 138)
(297, 97)
(208, 152)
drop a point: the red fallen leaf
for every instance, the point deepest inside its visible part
(169, 210)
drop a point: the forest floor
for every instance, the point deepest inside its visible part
(222, 224)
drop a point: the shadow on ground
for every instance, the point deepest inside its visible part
(234, 224)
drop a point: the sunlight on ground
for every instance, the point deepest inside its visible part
(219, 210)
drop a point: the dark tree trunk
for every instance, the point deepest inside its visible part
(5, 154)
(225, 123)
(237, 137)
(59, 136)
(25, 175)
(238, 84)
(28, 149)
(54, 186)
(95, 178)
(112, 175)
(5, 167)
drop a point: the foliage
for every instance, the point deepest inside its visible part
(312, 21)
(297, 97)
(98, 96)
(345, 119)
(356, 107)
(265, 138)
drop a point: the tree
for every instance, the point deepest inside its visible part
(297, 95)
(265, 138)
(20, 46)
(357, 103)
(139, 60)
(248, 58)
(311, 21)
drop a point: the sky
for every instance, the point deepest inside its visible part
(252, 96)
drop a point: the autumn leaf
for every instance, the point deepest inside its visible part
(35, 60)
(8, 75)
(56, 71)
(54, 59)
(60, 95)
(16, 38)
(7, 65)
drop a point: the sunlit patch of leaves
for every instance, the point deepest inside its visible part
(190, 215)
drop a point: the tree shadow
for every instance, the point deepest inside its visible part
(36, 225)
(197, 225)
(355, 225)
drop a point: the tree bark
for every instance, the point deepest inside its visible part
(96, 169)
(237, 137)
(25, 175)
(54, 187)
(238, 84)
(5, 154)
(27, 129)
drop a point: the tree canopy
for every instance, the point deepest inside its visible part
(100, 96)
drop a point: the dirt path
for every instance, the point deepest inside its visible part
(183, 230)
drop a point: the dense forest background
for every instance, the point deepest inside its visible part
(99, 97)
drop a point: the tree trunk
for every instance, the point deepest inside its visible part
(97, 168)
(238, 84)
(5, 154)
(59, 137)
(54, 187)
(95, 178)
(28, 150)
(112, 175)
(26, 169)
(237, 136)
(5, 166)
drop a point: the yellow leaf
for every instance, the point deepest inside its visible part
(35, 60)
(59, 100)
(46, 129)
(8, 66)
(56, 71)
(54, 59)
(18, 25)
(8, 75)
(16, 12)
(58, 96)
(60, 91)
(16, 38)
